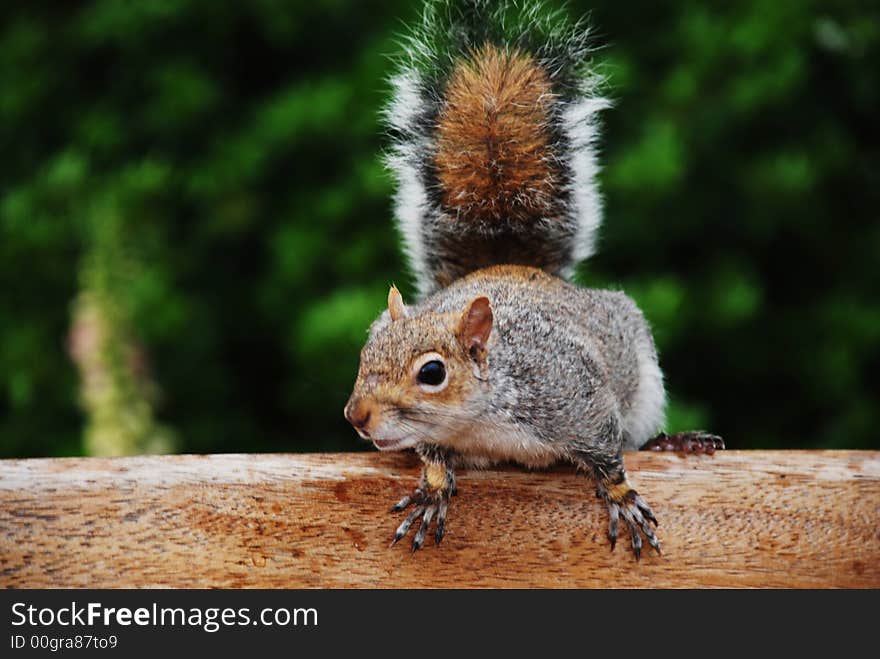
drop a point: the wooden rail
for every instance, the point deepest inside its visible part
(737, 519)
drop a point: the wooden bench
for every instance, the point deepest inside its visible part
(736, 519)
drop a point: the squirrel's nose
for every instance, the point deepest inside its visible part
(358, 413)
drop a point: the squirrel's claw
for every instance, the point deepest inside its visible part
(625, 502)
(402, 504)
(408, 522)
(423, 527)
(613, 523)
(430, 507)
(441, 519)
(694, 441)
(431, 504)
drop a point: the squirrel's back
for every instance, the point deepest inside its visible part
(494, 119)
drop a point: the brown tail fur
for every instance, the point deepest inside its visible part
(493, 152)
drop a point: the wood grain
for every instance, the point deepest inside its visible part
(737, 519)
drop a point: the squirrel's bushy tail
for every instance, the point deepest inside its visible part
(494, 119)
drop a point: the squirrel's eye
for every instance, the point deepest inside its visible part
(432, 373)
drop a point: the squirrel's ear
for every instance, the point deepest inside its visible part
(475, 326)
(395, 304)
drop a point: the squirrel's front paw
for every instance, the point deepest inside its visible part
(431, 501)
(623, 501)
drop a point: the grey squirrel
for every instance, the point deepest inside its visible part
(494, 118)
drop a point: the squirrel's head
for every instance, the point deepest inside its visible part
(421, 374)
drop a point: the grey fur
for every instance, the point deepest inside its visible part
(564, 366)
(566, 374)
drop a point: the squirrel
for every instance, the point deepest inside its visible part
(494, 119)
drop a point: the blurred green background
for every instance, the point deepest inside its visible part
(195, 225)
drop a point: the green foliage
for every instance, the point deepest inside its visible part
(213, 170)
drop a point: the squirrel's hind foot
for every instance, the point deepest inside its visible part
(695, 441)
(625, 502)
(431, 500)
